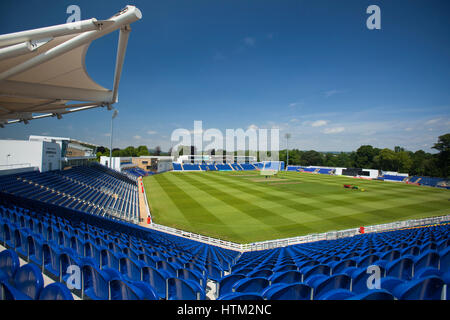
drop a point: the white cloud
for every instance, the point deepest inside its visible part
(319, 123)
(334, 130)
(252, 127)
(137, 137)
(330, 93)
(433, 121)
(107, 134)
(249, 41)
(295, 104)
(409, 129)
(294, 120)
(152, 132)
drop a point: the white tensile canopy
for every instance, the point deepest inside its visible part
(43, 71)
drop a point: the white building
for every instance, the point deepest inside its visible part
(44, 153)
(117, 163)
(20, 155)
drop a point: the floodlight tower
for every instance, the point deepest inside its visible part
(287, 136)
(111, 141)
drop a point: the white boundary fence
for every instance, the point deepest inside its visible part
(332, 235)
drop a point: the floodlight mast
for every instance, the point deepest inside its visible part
(287, 136)
(111, 140)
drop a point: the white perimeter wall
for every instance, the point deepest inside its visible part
(114, 160)
(38, 154)
(373, 173)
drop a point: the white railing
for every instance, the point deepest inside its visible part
(271, 244)
(145, 199)
(197, 237)
(15, 166)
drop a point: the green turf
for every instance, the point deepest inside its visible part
(245, 207)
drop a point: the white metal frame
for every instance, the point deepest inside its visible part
(19, 43)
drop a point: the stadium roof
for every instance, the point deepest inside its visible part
(48, 138)
(43, 71)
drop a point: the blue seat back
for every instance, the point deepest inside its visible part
(55, 291)
(29, 281)
(179, 289)
(226, 283)
(338, 281)
(251, 285)
(154, 278)
(296, 291)
(286, 277)
(9, 263)
(95, 283)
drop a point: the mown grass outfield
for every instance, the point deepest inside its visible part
(245, 207)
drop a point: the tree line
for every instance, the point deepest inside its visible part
(130, 152)
(419, 163)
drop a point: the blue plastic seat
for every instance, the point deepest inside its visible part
(429, 259)
(109, 259)
(213, 272)
(226, 284)
(95, 282)
(334, 282)
(131, 269)
(286, 277)
(360, 277)
(166, 269)
(9, 263)
(55, 291)
(241, 296)
(428, 288)
(191, 276)
(295, 291)
(340, 266)
(310, 271)
(265, 273)
(156, 280)
(28, 283)
(179, 289)
(135, 290)
(445, 259)
(335, 294)
(251, 285)
(401, 268)
(287, 267)
(377, 294)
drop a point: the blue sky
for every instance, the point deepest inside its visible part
(310, 68)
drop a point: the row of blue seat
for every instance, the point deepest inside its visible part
(93, 189)
(407, 259)
(310, 169)
(26, 282)
(107, 259)
(214, 167)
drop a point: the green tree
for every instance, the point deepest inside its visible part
(443, 158)
(364, 156)
(386, 159)
(312, 158)
(403, 161)
(142, 151)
